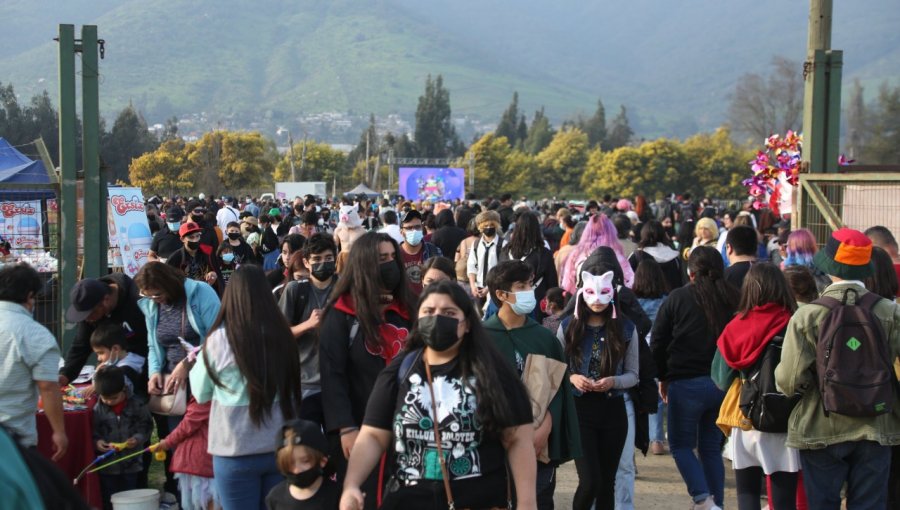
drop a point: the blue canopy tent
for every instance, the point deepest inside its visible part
(16, 167)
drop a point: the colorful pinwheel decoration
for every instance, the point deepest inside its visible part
(780, 160)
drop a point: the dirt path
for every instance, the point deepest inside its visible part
(658, 485)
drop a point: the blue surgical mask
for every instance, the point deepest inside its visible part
(228, 258)
(414, 237)
(525, 302)
(173, 226)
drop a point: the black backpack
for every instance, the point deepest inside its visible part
(767, 408)
(853, 362)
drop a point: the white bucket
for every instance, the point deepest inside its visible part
(139, 499)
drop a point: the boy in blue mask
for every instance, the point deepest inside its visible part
(517, 336)
(108, 343)
(414, 250)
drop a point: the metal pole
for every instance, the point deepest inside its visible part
(68, 211)
(303, 157)
(291, 149)
(94, 187)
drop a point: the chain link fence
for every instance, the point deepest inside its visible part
(858, 200)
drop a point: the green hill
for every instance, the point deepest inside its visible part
(673, 63)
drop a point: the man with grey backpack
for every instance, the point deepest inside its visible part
(838, 353)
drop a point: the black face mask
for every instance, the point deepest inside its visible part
(489, 231)
(234, 235)
(304, 479)
(197, 218)
(193, 245)
(390, 275)
(438, 331)
(323, 270)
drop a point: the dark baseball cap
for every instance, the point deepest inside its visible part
(174, 213)
(306, 433)
(85, 295)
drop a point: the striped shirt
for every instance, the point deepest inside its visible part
(28, 354)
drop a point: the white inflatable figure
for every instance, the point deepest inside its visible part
(596, 289)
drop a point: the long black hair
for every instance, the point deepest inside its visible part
(653, 233)
(260, 339)
(361, 280)
(615, 338)
(478, 357)
(527, 236)
(717, 298)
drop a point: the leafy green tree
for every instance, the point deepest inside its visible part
(323, 163)
(619, 131)
(165, 170)
(435, 136)
(540, 134)
(245, 161)
(611, 172)
(490, 153)
(719, 165)
(128, 140)
(562, 163)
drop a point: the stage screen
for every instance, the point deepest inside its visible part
(435, 184)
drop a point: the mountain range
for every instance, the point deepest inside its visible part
(673, 64)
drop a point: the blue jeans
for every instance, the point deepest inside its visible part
(656, 422)
(625, 473)
(862, 464)
(693, 409)
(243, 482)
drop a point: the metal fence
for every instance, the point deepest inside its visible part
(858, 199)
(29, 223)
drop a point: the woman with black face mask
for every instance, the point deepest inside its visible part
(449, 382)
(364, 326)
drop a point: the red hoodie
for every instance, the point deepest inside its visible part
(744, 338)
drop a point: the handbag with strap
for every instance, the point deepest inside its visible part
(171, 404)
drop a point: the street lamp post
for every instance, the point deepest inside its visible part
(291, 151)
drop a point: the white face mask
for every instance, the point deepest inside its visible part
(595, 290)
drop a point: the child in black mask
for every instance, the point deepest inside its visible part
(301, 459)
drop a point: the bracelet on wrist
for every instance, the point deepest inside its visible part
(349, 430)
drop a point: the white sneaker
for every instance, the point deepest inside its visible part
(707, 504)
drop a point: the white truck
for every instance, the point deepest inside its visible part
(289, 190)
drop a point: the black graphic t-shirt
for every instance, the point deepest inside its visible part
(475, 460)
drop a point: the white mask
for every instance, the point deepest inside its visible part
(596, 289)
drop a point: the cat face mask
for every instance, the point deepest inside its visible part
(596, 290)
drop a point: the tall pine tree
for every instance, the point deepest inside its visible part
(509, 122)
(595, 127)
(540, 134)
(620, 132)
(435, 136)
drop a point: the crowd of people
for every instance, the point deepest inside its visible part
(362, 354)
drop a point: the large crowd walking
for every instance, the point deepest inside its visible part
(387, 353)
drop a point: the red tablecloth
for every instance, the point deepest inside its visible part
(79, 454)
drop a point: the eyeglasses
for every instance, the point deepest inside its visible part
(151, 296)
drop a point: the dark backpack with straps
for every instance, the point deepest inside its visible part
(853, 362)
(767, 408)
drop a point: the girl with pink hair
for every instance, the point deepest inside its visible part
(799, 251)
(599, 231)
